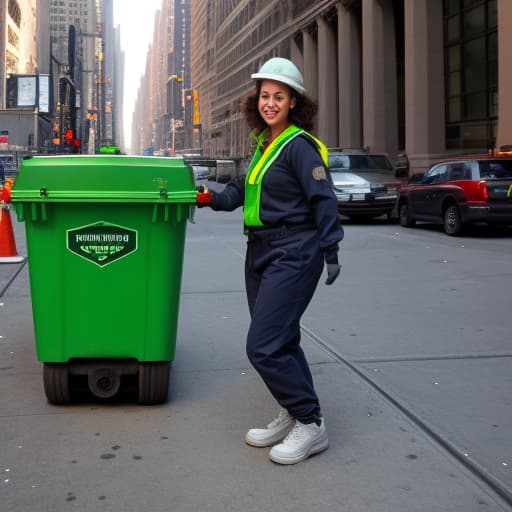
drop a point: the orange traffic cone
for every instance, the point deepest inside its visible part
(8, 252)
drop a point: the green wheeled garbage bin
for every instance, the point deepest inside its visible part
(105, 241)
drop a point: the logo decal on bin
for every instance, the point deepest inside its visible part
(102, 243)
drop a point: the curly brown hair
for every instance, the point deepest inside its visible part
(303, 114)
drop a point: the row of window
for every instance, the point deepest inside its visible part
(471, 72)
(71, 3)
(72, 12)
(259, 35)
(65, 19)
(63, 27)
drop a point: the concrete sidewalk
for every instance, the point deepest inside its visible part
(189, 454)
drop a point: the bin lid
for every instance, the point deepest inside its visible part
(104, 178)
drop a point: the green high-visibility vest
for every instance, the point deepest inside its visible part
(261, 162)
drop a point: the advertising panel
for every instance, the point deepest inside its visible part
(44, 93)
(27, 91)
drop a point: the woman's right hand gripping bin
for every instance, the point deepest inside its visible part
(203, 197)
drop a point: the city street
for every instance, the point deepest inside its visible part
(410, 351)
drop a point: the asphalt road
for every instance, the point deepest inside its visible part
(410, 351)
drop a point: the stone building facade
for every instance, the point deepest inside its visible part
(415, 76)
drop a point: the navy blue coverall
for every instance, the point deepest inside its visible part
(284, 262)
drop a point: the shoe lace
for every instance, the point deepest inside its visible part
(281, 417)
(297, 433)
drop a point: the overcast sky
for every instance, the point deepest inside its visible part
(136, 19)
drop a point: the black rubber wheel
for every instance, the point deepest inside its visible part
(452, 221)
(153, 382)
(56, 383)
(104, 382)
(405, 218)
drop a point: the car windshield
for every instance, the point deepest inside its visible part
(359, 163)
(495, 168)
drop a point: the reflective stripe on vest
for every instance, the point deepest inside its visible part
(259, 165)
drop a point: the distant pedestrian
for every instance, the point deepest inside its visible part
(293, 227)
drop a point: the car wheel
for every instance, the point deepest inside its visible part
(452, 221)
(405, 218)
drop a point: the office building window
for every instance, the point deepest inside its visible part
(471, 72)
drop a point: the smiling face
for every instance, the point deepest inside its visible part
(274, 103)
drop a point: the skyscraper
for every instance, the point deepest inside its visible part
(73, 33)
(24, 94)
(162, 120)
(84, 50)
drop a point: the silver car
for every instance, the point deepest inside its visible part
(365, 184)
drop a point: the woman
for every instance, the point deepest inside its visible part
(292, 224)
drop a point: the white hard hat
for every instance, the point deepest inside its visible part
(281, 70)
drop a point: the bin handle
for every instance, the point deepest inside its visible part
(156, 207)
(44, 212)
(34, 212)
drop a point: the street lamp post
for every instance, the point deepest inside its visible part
(170, 80)
(173, 135)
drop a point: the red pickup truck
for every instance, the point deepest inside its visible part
(458, 192)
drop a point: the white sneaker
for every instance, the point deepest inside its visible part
(275, 431)
(302, 442)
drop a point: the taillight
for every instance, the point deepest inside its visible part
(482, 190)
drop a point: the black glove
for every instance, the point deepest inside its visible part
(332, 263)
(333, 271)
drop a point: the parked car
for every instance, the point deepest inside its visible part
(226, 169)
(459, 191)
(212, 169)
(201, 172)
(365, 184)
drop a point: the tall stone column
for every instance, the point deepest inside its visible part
(504, 136)
(380, 109)
(349, 79)
(296, 55)
(310, 62)
(424, 81)
(328, 85)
